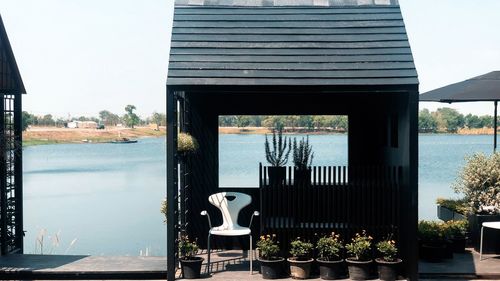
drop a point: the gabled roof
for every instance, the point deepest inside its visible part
(290, 45)
(10, 78)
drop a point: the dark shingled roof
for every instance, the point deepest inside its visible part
(10, 78)
(290, 45)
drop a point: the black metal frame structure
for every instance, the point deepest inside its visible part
(11, 178)
(300, 60)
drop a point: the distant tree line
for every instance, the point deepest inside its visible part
(308, 122)
(450, 120)
(106, 117)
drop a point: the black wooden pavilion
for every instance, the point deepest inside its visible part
(11, 204)
(317, 57)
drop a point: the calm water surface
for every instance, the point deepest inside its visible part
(107, 196)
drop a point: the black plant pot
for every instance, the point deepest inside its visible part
(388, 270)
(191, 268)
(448, 249)
(359, 270)
(277, 176)
(491, 243)
(302, 177)
(300, 269)
(330, 270)
(271, 269)
(459, 244)
(432, 251)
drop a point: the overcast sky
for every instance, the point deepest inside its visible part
(78, 57)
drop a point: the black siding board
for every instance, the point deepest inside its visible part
(290, 24)
(292, 82)
(298, 45)
(289, 66)
(288, 38)
(297, 59)
(295, 31)
(291, 52)
(293, 17)
(281, 11)
(294, 73)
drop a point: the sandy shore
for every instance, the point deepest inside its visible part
(51, 135)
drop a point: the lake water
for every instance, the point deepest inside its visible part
(107, 196)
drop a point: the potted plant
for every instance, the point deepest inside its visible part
(432, 241)
(359, 261)
(388, 263)
(479, 183)
(270, 261)
(329, 256)
(190, 263)
(300, 260)
(456, 231)
(302, 160)
(451, 209)
(277, 157)
(186, 144)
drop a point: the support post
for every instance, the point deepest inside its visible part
(495, 116)
(3, 179)
(18, 173)
(171, 184)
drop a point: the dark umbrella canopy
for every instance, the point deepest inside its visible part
(481, 88)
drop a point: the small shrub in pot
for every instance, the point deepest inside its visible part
(330, 256)
(359, 253)
(387, 262)
(270, 261)
(190, 263)
(300, 260)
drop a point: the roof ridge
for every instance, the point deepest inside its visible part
(284, 3)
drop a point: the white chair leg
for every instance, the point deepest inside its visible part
(481, 245)
(250, 255)
(208, 254)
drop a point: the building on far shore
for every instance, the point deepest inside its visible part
(82, 125)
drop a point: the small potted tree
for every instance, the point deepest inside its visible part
(302, 160)
(190, 263)
(359, 261)
(277, 157)
(270, 261)
(300, 260)
(329, 257)
(388, 263)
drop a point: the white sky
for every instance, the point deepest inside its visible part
(78, 57)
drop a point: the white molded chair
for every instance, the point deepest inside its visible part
(491, 224)
(230, 204)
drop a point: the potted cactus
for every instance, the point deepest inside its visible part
(300, 260)
(359, 261)
(329, 257)
(270, 261)
(277, 157)
(388, 263)
(190, 263)
(302, 160)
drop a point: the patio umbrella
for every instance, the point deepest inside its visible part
(481, 88)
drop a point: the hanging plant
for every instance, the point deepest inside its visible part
(186, 143)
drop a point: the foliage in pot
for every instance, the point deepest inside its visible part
(277, 156)
(479, 182)
(387, 262)
(300, 260)
(190, 263)
(456, 232)
(302, 160)
(359, 260)
(329, 256)
(456, 205)
(431, 235)
(186, 143)
(270, 261)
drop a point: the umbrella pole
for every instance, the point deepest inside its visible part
(495, 128)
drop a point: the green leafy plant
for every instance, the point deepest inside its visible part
(431, 231)
(330, 247)
(187, 248)
(186, 143)
(456, 229)
(387, 250)
(479, 182)
(268, 247)
(301, 250)
(302, 153)
(456, 205)
(163, 209)
(278, 155)
(361, 246)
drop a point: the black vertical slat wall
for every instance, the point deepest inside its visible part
(339, 199)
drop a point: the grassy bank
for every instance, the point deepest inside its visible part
(49, 135)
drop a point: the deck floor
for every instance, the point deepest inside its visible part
(227, 265)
